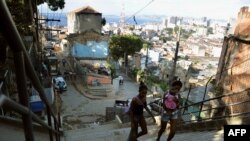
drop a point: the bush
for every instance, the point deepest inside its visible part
(154, 80)
(163, 85)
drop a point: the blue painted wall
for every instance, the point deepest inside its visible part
(91, 49)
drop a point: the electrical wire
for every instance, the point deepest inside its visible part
(133, 16)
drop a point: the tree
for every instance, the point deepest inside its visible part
(176, 29)
(124, 45)
(209, 30)
(54, 5)
(169, 31)
(18, 13)
(23, 17)
(103, 21)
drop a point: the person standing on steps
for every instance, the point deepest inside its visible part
(138, 103)
(120, 80)
(64, 62)
(170, 110)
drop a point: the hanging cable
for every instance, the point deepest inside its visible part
(133, 16)
(135, 20)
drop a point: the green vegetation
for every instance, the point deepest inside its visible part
(176, 29)
(111, 66)
(169, 31)
(165, 39)
(23, 16)
(103, 21)
(124, 45)
(209, 30)
(155, 81)
(54, 5)
(18, 12)
(186, 34)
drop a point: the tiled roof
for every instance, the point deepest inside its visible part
(85, 9)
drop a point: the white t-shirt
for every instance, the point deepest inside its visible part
(120, 77)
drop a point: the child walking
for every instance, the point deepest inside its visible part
(170, 110)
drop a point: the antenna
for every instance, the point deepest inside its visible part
(122, 16)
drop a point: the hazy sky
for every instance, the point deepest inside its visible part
(222, 9)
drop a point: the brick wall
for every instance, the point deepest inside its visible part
(102, 80)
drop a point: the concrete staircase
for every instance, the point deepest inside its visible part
(11, 129)
(103, 90)
(211, 130)
(109, 133)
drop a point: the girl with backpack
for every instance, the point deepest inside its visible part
(138, 103)
(170, 110)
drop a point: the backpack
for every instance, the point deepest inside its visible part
(169, 101)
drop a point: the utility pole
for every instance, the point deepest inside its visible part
(146, 60)
(172, 74)
(37, 19)
(227, 29)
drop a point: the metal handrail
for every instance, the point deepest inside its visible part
(218, 107)
(9, 103)
(224, 106)
(19, 46)
(214, 98)
(233, 104)
(13, 37)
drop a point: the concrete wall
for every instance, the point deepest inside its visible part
(78, 23)
(234, 66)
(102, 80)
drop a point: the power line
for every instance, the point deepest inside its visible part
(133, 16)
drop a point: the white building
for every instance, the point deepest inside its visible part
(154, 27)
(216, 51)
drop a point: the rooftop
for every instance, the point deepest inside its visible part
(86, 10)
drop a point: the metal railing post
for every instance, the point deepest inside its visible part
(50, 124)
(199, 117)
(8, 28)
(23, 95)
(186, 101)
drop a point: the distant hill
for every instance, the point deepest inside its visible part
(109, 19)
(130, 20)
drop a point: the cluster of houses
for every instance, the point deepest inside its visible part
(87, 41)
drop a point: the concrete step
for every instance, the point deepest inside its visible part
(101, 93)
(107, 133)
(100, 87)
(12, 130)
(93, 127)
(215, 135)
(88, 132)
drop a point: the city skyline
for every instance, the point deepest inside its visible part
(220, 9)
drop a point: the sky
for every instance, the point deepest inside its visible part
(220, 9)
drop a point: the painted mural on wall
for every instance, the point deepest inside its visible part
(90, 50)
